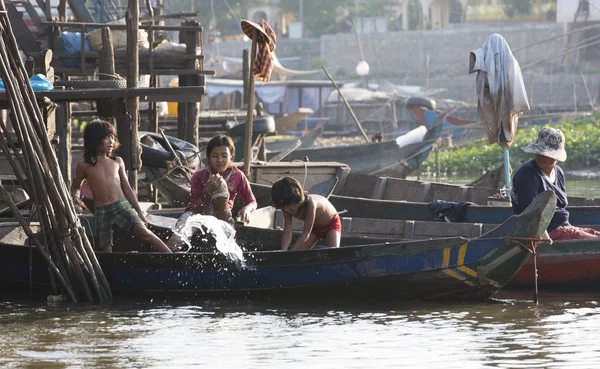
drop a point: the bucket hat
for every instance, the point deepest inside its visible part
(550, 143)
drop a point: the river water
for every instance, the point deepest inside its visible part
(576, 185)
(560, 332)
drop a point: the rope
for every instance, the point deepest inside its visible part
(117, 76)
(305, 170)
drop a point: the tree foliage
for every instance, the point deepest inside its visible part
(319, 15)
(517, 7)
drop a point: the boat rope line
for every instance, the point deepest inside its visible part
(532, 248)
(305, 170)
(168, 173)
(405, 160)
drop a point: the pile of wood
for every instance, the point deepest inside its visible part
(74, 269)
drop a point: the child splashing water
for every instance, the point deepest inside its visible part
(113, 196)
(321, 219)
(214, 189)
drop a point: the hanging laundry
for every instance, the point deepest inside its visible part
(266, 40)
(501, 94)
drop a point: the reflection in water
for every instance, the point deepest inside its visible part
(232, 334)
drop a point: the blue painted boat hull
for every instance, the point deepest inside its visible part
(446, 268)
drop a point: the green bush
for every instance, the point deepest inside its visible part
(582, 142)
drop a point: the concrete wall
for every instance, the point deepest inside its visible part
(401, 58)
(404, 54)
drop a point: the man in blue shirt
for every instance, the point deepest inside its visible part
(541, 174)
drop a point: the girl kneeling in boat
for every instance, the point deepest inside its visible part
(215, 187)
(321, 219)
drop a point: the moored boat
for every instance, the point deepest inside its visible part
(447, 268)
(385, 157)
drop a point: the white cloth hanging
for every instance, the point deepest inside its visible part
(501, 94)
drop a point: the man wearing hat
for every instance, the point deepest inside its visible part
(542, 174)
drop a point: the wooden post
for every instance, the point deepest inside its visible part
(531, 90)
(30, 66)
(587, 91)
(187, 120)
(48, 107)
(132, 19)
(437, 162)
(64, 132)
(574, 97)
(245, 74)
(106, 66)
(62, 10)
(250, 115)
(347, 105)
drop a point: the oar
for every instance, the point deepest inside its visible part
(285, 152)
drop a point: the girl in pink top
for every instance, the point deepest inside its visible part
(215, 187)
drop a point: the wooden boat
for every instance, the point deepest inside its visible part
(289, 122)
(563, 266)
(426, 113)
(319, 178)
(384, 157)
(407, 210)
(389, 209)
(446, 269)
(279, 142)
(388, 188)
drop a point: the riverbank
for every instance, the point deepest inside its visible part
(582, 144)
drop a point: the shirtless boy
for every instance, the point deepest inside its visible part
(113, 196)
(320, 217)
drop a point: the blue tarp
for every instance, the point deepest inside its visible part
(71, 43)
(39, 82)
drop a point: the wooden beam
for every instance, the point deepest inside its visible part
(182, 94)
(64, 132)
(197, 28)
(132, 19)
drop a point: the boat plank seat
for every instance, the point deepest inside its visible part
(405, 190)
(358, 185)
(397, 229)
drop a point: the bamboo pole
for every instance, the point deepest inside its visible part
(360, 128)
(6, 197)
(250, 114)
(587, 91)
(67, 251)
(132, 18)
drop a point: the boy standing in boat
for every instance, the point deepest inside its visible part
(215, 187)
(321, 219)
(114, 200)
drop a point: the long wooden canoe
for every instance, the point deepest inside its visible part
(447, 269)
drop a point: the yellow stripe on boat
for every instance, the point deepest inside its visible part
(446, 262)
(462, 251)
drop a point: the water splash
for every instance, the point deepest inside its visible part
(223, 232)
